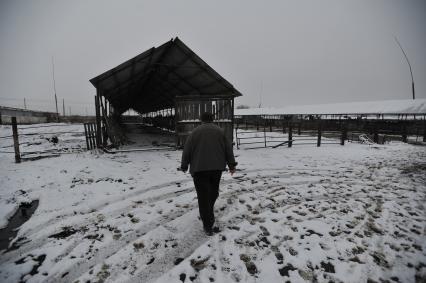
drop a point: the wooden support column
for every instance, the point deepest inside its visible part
(98, 122)
(16, 140)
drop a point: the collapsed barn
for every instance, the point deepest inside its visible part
(169, 86)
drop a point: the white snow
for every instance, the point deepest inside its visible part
(404, 106)
(341, 213)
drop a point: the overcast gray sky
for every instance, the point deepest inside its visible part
(286, 52)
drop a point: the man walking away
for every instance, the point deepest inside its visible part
(207, 151)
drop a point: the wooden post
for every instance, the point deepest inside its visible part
(15, 140)
(87, 138)
(264, 132)
(92, 140)
(236, 138)
(344, 135)
(290, 134)
(319, 133)
(98, 122)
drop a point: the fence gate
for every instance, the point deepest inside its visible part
(189, 110)
(90, 133)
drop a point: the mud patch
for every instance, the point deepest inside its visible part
(24, 212)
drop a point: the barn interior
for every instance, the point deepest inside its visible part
(168, 86)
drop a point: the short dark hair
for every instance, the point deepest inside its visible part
(206, 117)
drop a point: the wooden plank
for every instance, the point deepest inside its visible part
(16, 140)
(85, 134)
(98, 121)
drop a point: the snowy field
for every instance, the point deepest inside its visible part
(353, 213)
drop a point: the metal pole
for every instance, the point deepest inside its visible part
(54, 89)
(15, 140)
(409, 65)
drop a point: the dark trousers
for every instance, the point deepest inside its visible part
(207, 186)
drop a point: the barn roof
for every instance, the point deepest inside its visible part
(151, 80)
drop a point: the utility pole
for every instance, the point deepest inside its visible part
(260, 94)
(409, 65)
(54, 89)
(25, 104)
(63, 106)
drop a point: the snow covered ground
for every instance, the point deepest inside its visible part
(336, 213)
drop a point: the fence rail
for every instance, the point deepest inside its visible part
(19, 132)
(244, 137)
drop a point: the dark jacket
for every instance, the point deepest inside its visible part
(206, 149)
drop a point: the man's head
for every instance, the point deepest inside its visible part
(207, 117)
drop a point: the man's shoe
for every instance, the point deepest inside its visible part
(215, 230)
(209, 231)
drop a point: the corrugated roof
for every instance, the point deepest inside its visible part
(407, 106)
(151, 80)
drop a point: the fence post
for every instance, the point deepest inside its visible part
(290, 134)
(344, 135)
(264, 132)
(15, 140)
(319, 133)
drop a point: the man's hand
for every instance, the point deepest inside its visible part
(232, 171)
